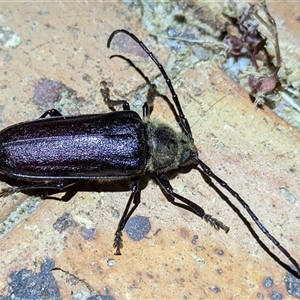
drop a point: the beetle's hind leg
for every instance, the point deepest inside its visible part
(118, 241)
(164, 182)
(109, 102)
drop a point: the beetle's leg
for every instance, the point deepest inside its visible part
(109, 102)
(164, 182)
(52, 113)
(118, 241)
(36, 186)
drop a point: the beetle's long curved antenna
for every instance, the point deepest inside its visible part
(209, 172)
(183, 121)
(134, 66)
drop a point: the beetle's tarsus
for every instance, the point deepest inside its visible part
(215, 223)
(118, 242)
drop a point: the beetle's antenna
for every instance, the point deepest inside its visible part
(134, 66)
(183, 121)
(208, 172)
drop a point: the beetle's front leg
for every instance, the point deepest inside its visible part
(118, 241)
(164, 182)
(109, 102)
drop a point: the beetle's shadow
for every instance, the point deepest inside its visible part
(124, 186)
(72, 187)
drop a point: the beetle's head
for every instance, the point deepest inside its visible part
(187, 151)
(168, 148)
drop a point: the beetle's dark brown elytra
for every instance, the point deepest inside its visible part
(60, 151)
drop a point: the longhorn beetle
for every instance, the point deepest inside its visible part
(60, 151)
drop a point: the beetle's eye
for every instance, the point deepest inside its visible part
(185, 157)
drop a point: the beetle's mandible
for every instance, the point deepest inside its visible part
(60, 151)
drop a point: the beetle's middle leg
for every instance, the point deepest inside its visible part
(109, 102)
(118, 241)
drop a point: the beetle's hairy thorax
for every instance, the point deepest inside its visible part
(168, 149)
